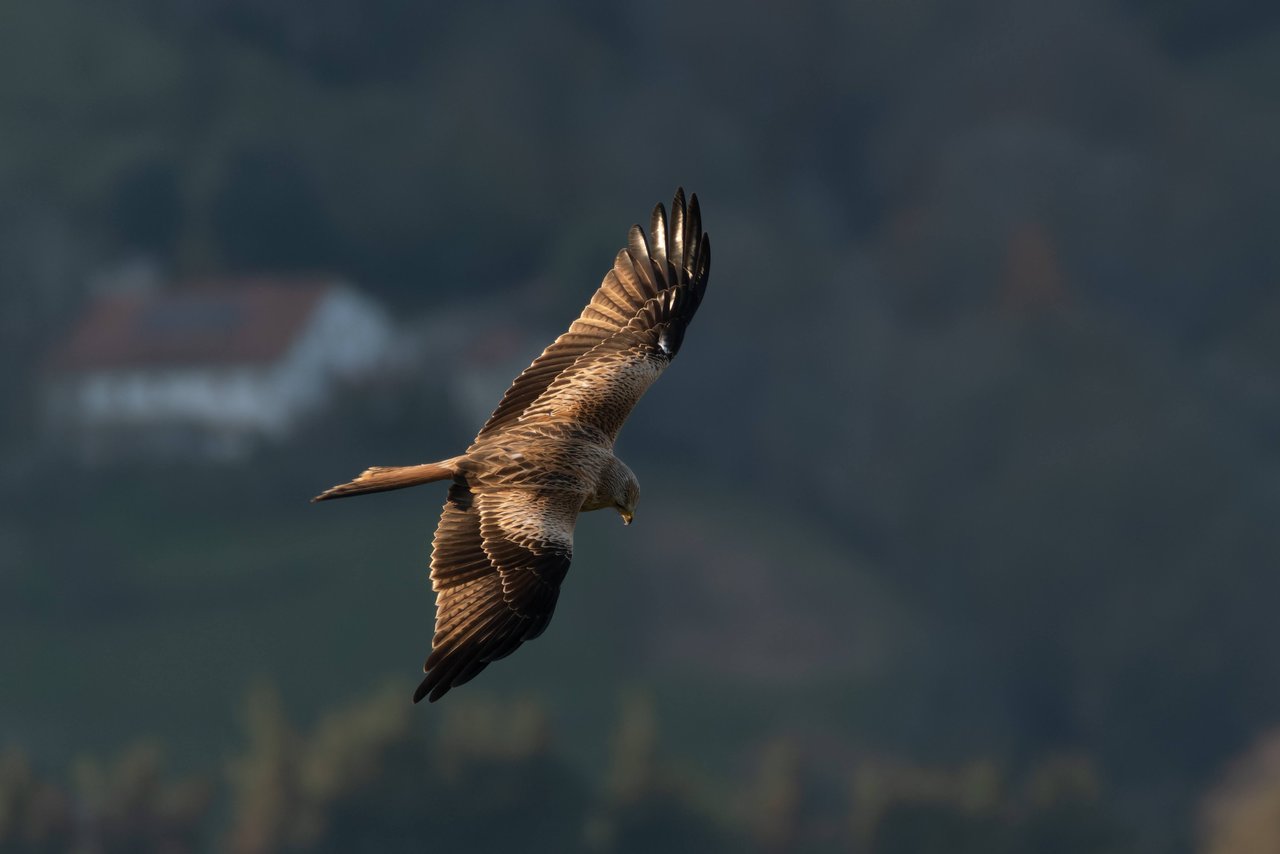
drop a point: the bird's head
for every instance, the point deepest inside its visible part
(627, 500)
(617, 488)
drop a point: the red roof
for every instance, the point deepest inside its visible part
(241, 321)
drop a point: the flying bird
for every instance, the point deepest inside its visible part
(505, 538)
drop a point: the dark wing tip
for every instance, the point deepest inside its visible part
(447, 672)
(430, 691)
(694, 240)
(688, 251)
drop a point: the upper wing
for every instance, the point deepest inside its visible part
(676, 252)
(604, 384)
(497, 563)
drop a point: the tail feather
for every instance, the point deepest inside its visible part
(386, 478)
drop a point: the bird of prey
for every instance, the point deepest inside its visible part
(505, 538)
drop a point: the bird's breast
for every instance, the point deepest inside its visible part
(540, 457)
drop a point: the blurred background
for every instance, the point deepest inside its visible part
(959, 520)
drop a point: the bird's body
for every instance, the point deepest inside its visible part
(505, 538)
(550, 455)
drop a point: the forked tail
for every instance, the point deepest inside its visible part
(386, 478)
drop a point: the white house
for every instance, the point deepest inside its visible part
(208, 369)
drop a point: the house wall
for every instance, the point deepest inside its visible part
(160, 412)
(348, 337)
(224, 396)
(220, 410)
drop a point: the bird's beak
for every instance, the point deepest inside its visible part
(626, 517)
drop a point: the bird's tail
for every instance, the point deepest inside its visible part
(385, 478)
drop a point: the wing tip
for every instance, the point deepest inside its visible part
(434, 685)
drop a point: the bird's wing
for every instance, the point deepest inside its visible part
(496, 565)
(603, 385)
(642, 271)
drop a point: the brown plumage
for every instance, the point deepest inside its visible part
(505, 538)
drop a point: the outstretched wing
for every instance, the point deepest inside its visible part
(676, 256)
(603, 385)
(497, 563)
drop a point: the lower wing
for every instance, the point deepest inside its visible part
(497, 563)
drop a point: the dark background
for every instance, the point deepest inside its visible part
(959, 519)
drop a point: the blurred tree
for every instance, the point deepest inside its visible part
(145, 207)
(36, 817)
(647, 807)
(266, 792)
(880, 788)
(338, 42)
(1240, 813)
(131, 808)
(268, 215)
(119, 807)
(633, 770)
(1194, 29)
(900, 809)
(364, 779)
(776, 813)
